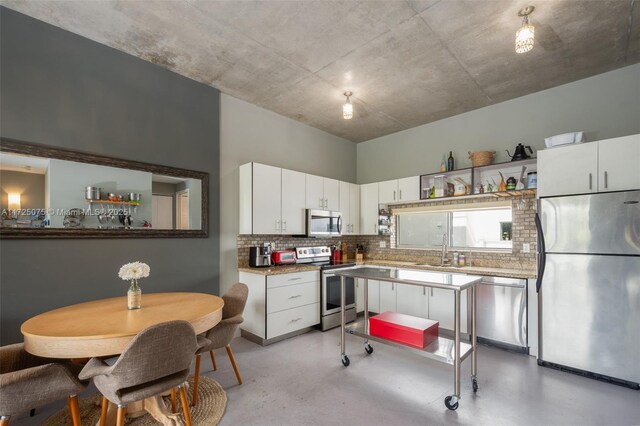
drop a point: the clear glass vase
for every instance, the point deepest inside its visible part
(134, 296)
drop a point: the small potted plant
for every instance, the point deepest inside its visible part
(133, 272)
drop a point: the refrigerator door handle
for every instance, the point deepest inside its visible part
(542, 255)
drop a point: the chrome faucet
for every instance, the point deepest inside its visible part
(445, 246)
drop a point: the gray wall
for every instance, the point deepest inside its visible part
(604, 106)
(249, 133)
(30, 186)
(64, 90)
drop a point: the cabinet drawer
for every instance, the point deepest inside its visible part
(292, 296)
(294, 278)
(283, 322)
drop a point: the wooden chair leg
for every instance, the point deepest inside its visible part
(233, 363)
(185, 406)
(103, 411)
(120, 416)
(4, 420)
(196, 377)
(174, 404)
(72, 402)
(213, 360)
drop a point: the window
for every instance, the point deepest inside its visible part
(488, 228)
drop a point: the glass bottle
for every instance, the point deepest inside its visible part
(443, 165)
(450, 162)
(134, 296)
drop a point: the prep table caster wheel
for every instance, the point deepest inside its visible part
(368, 348)
(345, 360)
(474, 383)
(450, 406)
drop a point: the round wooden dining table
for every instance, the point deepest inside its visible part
(105, 327)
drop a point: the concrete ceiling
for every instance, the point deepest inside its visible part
(407, 62)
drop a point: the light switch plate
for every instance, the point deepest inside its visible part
(383, 244)
(526, 248)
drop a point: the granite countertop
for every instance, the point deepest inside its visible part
(475, 270)
(280, 269)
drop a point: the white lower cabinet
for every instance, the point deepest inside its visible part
(289, 320)
(280, 304)
(413, 300)
(441, 308)
(424, 302)
(374, 295)
(388, 296)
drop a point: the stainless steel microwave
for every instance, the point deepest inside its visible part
(323, 223)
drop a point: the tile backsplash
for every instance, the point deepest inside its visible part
(523, 232)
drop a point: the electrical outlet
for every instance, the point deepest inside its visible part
(526, 248)
(383, 244)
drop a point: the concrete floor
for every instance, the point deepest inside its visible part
(301, 381)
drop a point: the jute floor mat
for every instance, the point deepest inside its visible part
(212, 400)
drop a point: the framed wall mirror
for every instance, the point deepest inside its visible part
(49, 192)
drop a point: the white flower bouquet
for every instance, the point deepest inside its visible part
(134, 271)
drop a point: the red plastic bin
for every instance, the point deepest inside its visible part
(406, 329)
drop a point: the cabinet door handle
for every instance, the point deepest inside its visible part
(295, 320)
(321, 202)
(277, 225)
(606, 184)
(295, 279)
(326, 203)
(394, 195)
(391, 286)
(401, 194)
(295, 297)
(424, 291)
(284, 225)
(431, 291)
(590, 180)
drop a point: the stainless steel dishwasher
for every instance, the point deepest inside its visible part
(502, 313)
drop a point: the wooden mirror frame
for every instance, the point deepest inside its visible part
(44, 151)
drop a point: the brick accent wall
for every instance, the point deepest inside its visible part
(523, 231)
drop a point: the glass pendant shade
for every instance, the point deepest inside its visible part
(525, 37)
(347, 111)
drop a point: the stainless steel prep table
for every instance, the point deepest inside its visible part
(444, 350)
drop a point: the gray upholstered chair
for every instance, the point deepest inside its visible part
(158, 359)
(221, 335)
(28, 381)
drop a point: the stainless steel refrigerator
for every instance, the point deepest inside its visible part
(589, 285)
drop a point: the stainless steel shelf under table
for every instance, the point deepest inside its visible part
(450, 351)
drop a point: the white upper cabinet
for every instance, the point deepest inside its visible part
(369, 209)
(267, 193)
(388, 191)
(293, 202)
(399, 190)
(322, 193)
(354, 208)
(606, 165)
(568, 170)
(331, 194)
(315, 192)
(350, 208)
(409, 189)
(619, 163)
(272, 200)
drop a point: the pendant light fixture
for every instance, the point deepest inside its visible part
(526, 33)
(347, 108)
